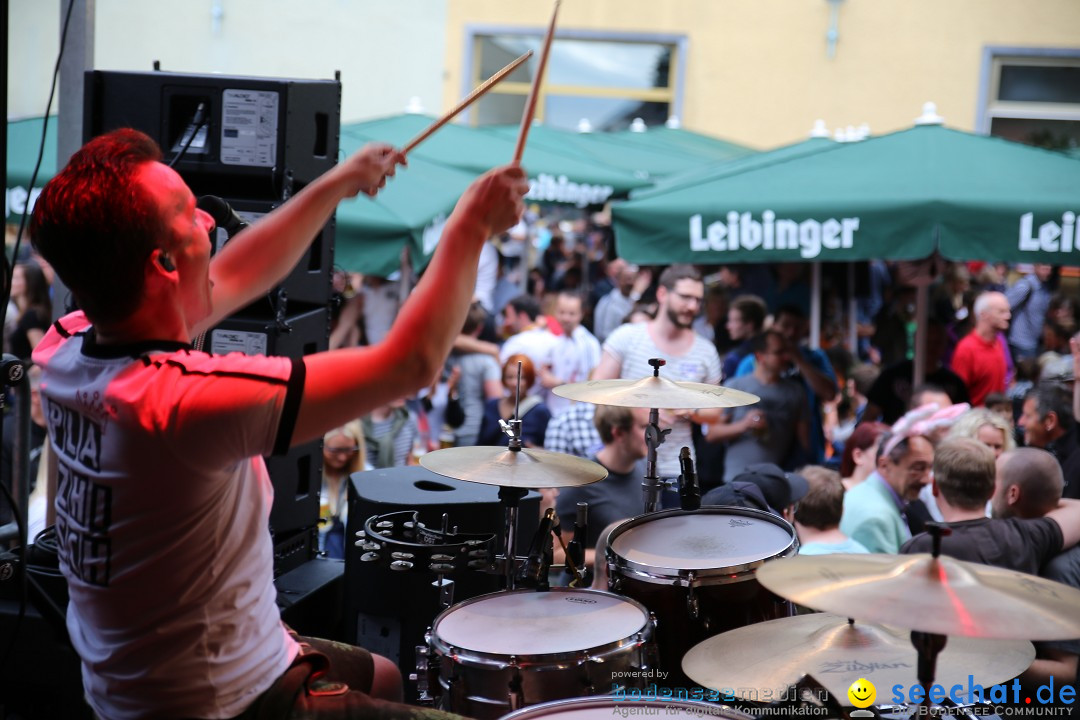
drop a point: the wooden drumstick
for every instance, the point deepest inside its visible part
(469, 100)
(534, 92)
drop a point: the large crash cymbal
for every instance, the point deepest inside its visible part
(525, 468)
(933, 595)
(656, 392)
(763, 660)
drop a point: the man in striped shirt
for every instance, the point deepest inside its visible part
(669, 336)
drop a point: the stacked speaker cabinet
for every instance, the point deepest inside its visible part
(254, 142)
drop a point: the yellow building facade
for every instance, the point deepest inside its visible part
(760, 72)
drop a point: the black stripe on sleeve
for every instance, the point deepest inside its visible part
(293, 395)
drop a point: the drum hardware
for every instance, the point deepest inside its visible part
(654, 393)
(575, 550)
(534, 571)
(515, 470)
(689, 488)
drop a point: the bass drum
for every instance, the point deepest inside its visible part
(506, 650)
(605, 707)
(694, 571)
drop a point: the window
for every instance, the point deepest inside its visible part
(1032, 96)
(606, 79)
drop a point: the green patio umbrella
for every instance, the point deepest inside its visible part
(716, 170)
(555, 176)
(23, 141)
(679, 139)
(899, 196)
(627, 152)
(408, 212)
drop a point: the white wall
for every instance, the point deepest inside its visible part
(387, 50)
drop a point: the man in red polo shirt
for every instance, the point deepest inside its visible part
(979, 359)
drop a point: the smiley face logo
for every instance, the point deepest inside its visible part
(862, 693)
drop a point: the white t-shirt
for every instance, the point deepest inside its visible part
(572, 360)
(632, 346)
(538, 344)
(163, 501)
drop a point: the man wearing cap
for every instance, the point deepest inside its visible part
(874, 509)
(781, 490)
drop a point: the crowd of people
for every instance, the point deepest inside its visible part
(842, 443)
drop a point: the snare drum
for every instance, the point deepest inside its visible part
(502, 651)
(694, 570)
(604, 707)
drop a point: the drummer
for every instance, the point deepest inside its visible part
(163, 494)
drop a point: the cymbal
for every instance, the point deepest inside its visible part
(934, 595)
(769, 657)
(525, 468)
(656, 392)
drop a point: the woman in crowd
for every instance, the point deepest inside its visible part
(860, 453)
(986, 426)
(30, 295)
(343, 455)
(534, 413)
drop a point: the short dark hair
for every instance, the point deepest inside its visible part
(964, 472)
(475, 318)
(674, 273)
(526, 304)
(760, 342)
(792, 310)
(96, 224)
(1049, 399)
(823, 505)
(752, 309)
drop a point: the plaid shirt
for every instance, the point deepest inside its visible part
(573, 432)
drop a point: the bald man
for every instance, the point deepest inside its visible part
(980, 358)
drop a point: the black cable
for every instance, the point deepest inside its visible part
(199, 119)
(8, 272)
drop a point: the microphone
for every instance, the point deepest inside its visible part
(535, 571)
(575, 549)
(689, 490)
(224, 216)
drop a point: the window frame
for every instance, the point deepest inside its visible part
(673, 95)
(989, 107)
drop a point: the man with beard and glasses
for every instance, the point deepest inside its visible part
(690, 357)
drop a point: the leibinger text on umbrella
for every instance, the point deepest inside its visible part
(742, 231)
(1051, 237)
(549, 189)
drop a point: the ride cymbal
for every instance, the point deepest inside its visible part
(933, 595)
(656, 392)
(763, 660)
(525, 468)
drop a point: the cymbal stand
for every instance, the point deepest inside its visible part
(654, 438)
(444, 585)
(929, 645)
(511, 496)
